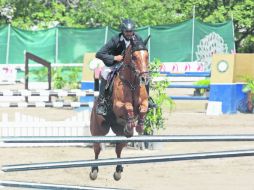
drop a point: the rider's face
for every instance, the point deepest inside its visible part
(128, 34)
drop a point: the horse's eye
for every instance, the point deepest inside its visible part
(134, 58)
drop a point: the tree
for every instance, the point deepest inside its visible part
(39, 13)
(216, 11)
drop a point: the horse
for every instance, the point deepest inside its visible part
(129, 102)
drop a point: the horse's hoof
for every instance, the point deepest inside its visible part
(93, 174)
(128, 133)
(117, 176)
(140, 129)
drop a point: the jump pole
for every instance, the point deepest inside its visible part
(117, 139)
(21, 184)
(43, 104)
(73, 92)
(130, 160)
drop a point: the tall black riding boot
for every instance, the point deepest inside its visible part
(101, 108)
(151, 103)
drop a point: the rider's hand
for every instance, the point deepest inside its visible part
(118, 58)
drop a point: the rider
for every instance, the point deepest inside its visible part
(111, 55)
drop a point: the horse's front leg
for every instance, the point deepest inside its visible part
(143, 108)
(119, 168)
(128, 129)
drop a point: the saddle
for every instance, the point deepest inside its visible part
(110, 79)
(109, 86)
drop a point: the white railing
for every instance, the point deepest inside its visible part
(26, 125)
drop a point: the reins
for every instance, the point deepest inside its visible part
(132, 68)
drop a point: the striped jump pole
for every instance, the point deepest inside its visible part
(187, 74)
(20, 184)
(44, 104)
(189, 97)
(116, 139)
(73, 92)
(130, 160)
(188, 86)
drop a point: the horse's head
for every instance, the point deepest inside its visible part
(140, 62)
(136, 59)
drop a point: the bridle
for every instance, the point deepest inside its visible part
(142, 78)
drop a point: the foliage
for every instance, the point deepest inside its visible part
(61, 78)
(40, 74)
(249, 86)
(58, 78)
(33, 14)
(203, 82)
(154, 118)
(73, 78)
(249, 89)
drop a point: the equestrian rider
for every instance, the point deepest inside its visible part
(111, 55)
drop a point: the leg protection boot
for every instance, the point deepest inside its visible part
(101, 108)
(151, 103)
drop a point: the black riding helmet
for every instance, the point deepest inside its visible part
(127, 25)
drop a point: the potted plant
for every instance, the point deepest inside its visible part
(202, 91)
(249, 89)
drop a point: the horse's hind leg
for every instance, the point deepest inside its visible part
(95, 169)
(119, 168)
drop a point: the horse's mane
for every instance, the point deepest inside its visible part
(138, 45)
(135, 45)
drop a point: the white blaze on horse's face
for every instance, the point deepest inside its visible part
(140, 59)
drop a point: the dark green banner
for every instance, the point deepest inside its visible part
(188, 41)
(3, 44)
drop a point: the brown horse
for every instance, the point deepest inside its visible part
(129, 102)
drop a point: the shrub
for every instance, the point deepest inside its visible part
(154, 118)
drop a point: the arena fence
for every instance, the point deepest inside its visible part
(25, 125)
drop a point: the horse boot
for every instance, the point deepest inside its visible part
(101, 108)
(151, 103)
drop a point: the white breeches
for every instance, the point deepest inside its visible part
(99, 68)
(105, 72)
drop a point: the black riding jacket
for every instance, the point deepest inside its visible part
(115, 46)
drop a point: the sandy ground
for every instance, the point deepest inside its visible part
(188, 118)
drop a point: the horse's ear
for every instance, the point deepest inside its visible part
(146, 40)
